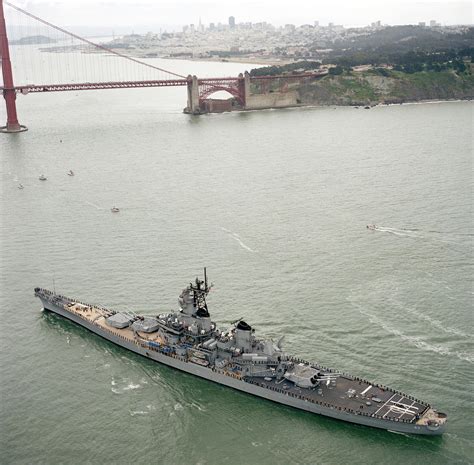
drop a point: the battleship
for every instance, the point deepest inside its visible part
(190, 341)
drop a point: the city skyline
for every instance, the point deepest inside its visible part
(174, 15)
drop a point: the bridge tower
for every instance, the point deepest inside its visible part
(245, 86)
(9, 92)
(193, 96)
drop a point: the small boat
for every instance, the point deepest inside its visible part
(114, 210)
(70, 173)
(371, 227)
(42, 178)
(21, 186)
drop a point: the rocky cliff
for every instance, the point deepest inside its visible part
(370, 88)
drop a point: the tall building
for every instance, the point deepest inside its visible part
(231, 22)
(316, 24)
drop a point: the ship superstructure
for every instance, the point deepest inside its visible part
(190, 341)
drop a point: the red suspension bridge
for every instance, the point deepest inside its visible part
(248, 92)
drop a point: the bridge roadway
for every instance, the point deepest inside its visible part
(217, 82)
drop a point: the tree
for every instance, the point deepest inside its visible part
(335, 71)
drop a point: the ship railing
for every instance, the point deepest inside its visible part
(379, 386)
(257, 362)
(47, 293)
(325, 404)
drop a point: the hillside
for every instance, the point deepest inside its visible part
(33, 40)
(402, 39)
(370, 88)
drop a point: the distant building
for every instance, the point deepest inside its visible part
(330, 25)
(212, 26)
(231, 22)
(433, 23)
(422, 24)
(306, 27)
(316, 24)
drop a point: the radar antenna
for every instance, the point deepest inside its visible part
(200, 290)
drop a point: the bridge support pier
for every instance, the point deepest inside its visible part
(246, 87)
(9, 92)
(193, 96)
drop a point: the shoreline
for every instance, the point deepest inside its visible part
(250, 61)
(334, 107)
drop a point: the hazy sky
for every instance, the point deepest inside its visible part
(174, 13)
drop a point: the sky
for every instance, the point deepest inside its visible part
(173, 14)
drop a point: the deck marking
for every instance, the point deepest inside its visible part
(406, 405)
(384, 405)
(404, 413)
(365, 390)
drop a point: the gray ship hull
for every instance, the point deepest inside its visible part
(219, 377)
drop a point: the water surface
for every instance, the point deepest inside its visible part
(275, 204)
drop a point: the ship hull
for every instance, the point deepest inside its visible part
(240, 384)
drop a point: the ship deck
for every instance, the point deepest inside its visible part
(353, 396)
(348, 394)
(97, 316)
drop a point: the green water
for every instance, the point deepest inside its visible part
(275, 204)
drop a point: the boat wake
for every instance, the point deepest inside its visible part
(94, 205)
(402, 434)
(197, 406)
(237, 238)
(399, 232)
(149, 408)
(131, 386)
(433, 322)
(128, 387)
(435, 236)
(413, 340)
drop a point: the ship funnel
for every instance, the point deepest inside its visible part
(243, 334)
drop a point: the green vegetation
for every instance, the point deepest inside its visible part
(386, 86)
(36, 40)
(404, 63)
(296, 67)
(336, 71)
(409, 49)
(399, 40)
(410, 62)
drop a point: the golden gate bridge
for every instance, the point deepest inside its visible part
(198, 90)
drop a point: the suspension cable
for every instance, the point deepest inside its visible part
(88, 41)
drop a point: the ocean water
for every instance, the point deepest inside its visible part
(275, 204)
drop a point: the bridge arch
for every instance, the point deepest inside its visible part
(208, 87)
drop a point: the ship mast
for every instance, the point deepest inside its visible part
(200, 291)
